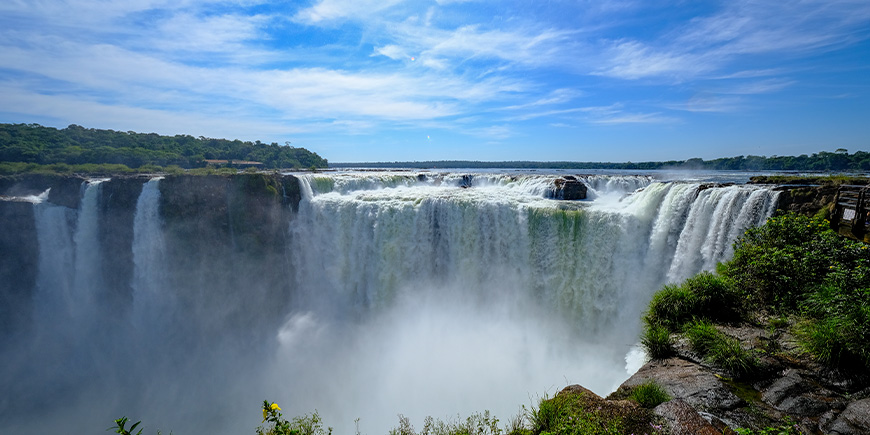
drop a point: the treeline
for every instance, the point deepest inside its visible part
(77, 145)
(823, 161)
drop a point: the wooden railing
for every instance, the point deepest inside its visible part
(851, 216)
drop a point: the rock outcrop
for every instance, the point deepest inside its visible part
(789, 386)
(567, 187)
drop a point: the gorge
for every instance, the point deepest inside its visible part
(187, 300)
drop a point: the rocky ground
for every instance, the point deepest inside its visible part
(789, 386)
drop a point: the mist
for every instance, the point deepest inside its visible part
(384, 294)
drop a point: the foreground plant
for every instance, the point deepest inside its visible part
(310, 424)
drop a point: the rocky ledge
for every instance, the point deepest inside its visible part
(788, 387)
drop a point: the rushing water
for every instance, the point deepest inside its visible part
(432, 294)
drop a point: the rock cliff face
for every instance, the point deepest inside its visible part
(231, 230)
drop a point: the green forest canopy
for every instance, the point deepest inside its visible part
(76, 145)
(823, 161)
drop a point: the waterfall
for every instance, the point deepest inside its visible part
(152, 299)
(430, 293)
(417, 269)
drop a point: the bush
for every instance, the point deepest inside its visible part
(656, 340)
(777, 264)
(649, 395)
(837, 331)
(704, 296)
(670, 307)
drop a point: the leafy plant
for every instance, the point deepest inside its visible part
(310, 424)
(121, 424)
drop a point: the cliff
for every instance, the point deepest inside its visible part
(223, 232)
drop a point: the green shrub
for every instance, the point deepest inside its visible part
(670, 307)
(649, 395)
(715, 298)
(703, 336)
(778, 264)
(719, 349)
(837, 328)
(657, 342)
(310, 424)
(704, 295)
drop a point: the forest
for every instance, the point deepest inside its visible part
(824, 161)
(34, 146)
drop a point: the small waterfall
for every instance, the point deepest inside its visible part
(88, 267)
(152, 297)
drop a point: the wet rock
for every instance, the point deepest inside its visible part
(567, 188)
(684, 420)
(686, 380)
(797, 396)
(854, 420)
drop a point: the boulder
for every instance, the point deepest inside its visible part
(854, 420)
(797, 396)
(567, 188)
(686, 380)
(684, 420)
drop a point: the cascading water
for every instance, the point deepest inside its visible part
(421, 294)
(152, 298)
(491, 275)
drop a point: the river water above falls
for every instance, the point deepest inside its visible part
(384, 293)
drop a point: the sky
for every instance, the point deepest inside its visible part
(394, 80)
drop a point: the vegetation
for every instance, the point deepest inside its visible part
(791, 267)
(719, 349)
(310, 424)
(649, 395)
(32, 147)
(840, 160)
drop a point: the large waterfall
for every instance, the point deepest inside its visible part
(385, 293)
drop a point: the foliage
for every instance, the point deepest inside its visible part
(581, 414)
(719, 349)
(657, 342)
(796, 265)
(76, 145)
(777, 264)
(702, 296)
(822, 161)
(121, 424)
(788, 427)
(649, 395)
(476, 424)
(310, 424)
(837, 330)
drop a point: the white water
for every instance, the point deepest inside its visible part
(152, 298)
(412, 295)
(429, 299)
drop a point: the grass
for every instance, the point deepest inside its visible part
(657, 342)
(649, 395)
(720, 350)
(793, 269)
(704, 295)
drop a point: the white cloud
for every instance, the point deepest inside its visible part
(392, 51)
(332, 10)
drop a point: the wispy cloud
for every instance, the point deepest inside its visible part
(326, 11)
(474, 68)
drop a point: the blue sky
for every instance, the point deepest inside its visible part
(386, 80)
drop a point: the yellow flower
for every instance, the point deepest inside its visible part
(275, 407)
(264, 415)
